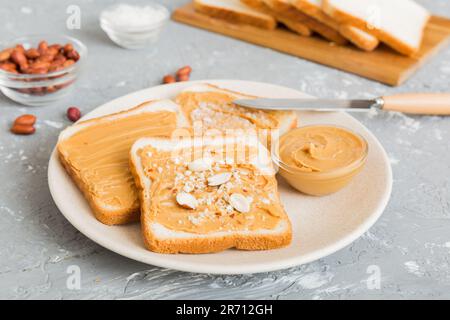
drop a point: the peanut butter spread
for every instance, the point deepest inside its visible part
(206, 194)
(100, 154)
(216, 111)
(320, 148)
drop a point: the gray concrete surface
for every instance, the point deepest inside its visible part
(409, 245)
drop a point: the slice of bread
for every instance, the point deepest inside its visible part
(361, 39)
(291, 24)
(236, 12)
(298, 27)
(95, 155)
(212, 108)
(400, 23)
(198, 197)
(285, 8)
(358, 37)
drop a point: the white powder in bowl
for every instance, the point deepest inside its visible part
(132, 17)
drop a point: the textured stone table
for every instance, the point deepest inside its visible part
(409, 245)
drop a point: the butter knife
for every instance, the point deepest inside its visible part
(412, 103)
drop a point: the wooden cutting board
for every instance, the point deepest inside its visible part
(383, 64)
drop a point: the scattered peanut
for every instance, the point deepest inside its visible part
(20, 48)
(52, 51)
(8, 66)
(67, 48)
(68, 63)
(183, 77)
(21, 129)
(46, 57)
(186, 70)
(169, 79)
(26, 120)
(73, 114)
(40, 65)
(57, 47)
(32, 53)
(60, 58)
(19, 58)
(182, 74)
(74, 55)
(5, 54)
(42, 46)
(24, 124)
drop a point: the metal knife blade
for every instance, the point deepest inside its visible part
(309, 104)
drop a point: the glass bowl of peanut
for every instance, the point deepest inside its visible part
(40, 69)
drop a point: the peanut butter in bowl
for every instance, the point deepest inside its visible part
(320, 159)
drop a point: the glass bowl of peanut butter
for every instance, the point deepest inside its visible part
(320, 159)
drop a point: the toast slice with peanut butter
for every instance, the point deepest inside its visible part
(207, 194)
(95, 155)
(210, 108)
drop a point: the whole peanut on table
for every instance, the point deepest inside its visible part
(26, 119)
(24, 124)
(184, 71)
(21, 129)
(73, 114)
(182, 74)
(169, 79)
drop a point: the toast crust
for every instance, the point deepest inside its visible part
(235, 17)
(385, 37)
(214, 244)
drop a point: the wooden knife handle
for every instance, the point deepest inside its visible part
(419, 103)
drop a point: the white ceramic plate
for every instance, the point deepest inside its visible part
(321, 226)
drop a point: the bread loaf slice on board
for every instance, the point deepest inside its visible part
(212, 107)
(358, 37)
(236, 12)
(361, 39)
(400, 23)
(291, 24)
(197, 197)
(298, 27)
(95, 154)
(285, 8)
